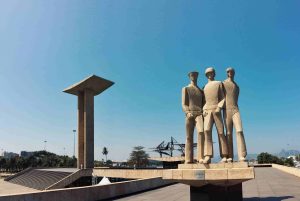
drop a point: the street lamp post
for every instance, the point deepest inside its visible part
(74, 131)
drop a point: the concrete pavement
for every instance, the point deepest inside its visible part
(10, 188)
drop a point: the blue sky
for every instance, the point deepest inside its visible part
(147, 48)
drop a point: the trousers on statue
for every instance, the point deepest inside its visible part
(232, 118)
(211, 118)
(191, 123)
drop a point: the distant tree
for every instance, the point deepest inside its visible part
(289, 162)
(105, 152)
(38, 159)
(2, 163)
(138, 157)
(265, 157)
(298, 157)
(109, 163)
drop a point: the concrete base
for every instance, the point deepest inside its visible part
(212, 182)
(216, 193)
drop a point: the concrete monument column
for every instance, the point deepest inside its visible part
(86, 90)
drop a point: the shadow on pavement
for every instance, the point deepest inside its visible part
(280, 198)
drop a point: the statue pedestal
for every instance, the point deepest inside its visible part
(212, 182)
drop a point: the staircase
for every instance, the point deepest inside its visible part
(40, 179)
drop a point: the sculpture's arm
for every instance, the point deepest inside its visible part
(238, 94)
(203, 99)
(221, 96)
(185, 100)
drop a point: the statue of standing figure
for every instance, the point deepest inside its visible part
(192, 104)
(215, 100)
(232, 117)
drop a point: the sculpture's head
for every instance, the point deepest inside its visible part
(193, 76)
(210, 73)
(230, 72)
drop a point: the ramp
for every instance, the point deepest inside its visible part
(41, 179)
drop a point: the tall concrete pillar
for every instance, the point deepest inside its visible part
(86, 90)
(80, 130)
(88, 128)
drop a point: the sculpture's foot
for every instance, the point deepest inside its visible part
(242, 159)
(229, 160)
(200, 161)
(224, 160)
(206, 159)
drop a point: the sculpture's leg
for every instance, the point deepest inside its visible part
(200, 147)
(222, 140)
(242, 151)
(241, 144)
(208, 145)
(189, 125)
(200, 138)
(229, 137)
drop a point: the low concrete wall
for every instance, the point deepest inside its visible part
(290, 170)
(129, 174)
(89, 193)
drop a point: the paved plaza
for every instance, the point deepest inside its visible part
(10, 188)
(269, 185)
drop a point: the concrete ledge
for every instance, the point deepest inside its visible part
(261, 165)
(290, 170)
(210, 174)
(168, 159)
(128, 174)
(200, 177)
(213, 165)
(90, 193)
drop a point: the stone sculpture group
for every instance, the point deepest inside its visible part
(203, 109)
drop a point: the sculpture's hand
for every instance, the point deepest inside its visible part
(205, 113)
(217, 110)
(189, 115)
